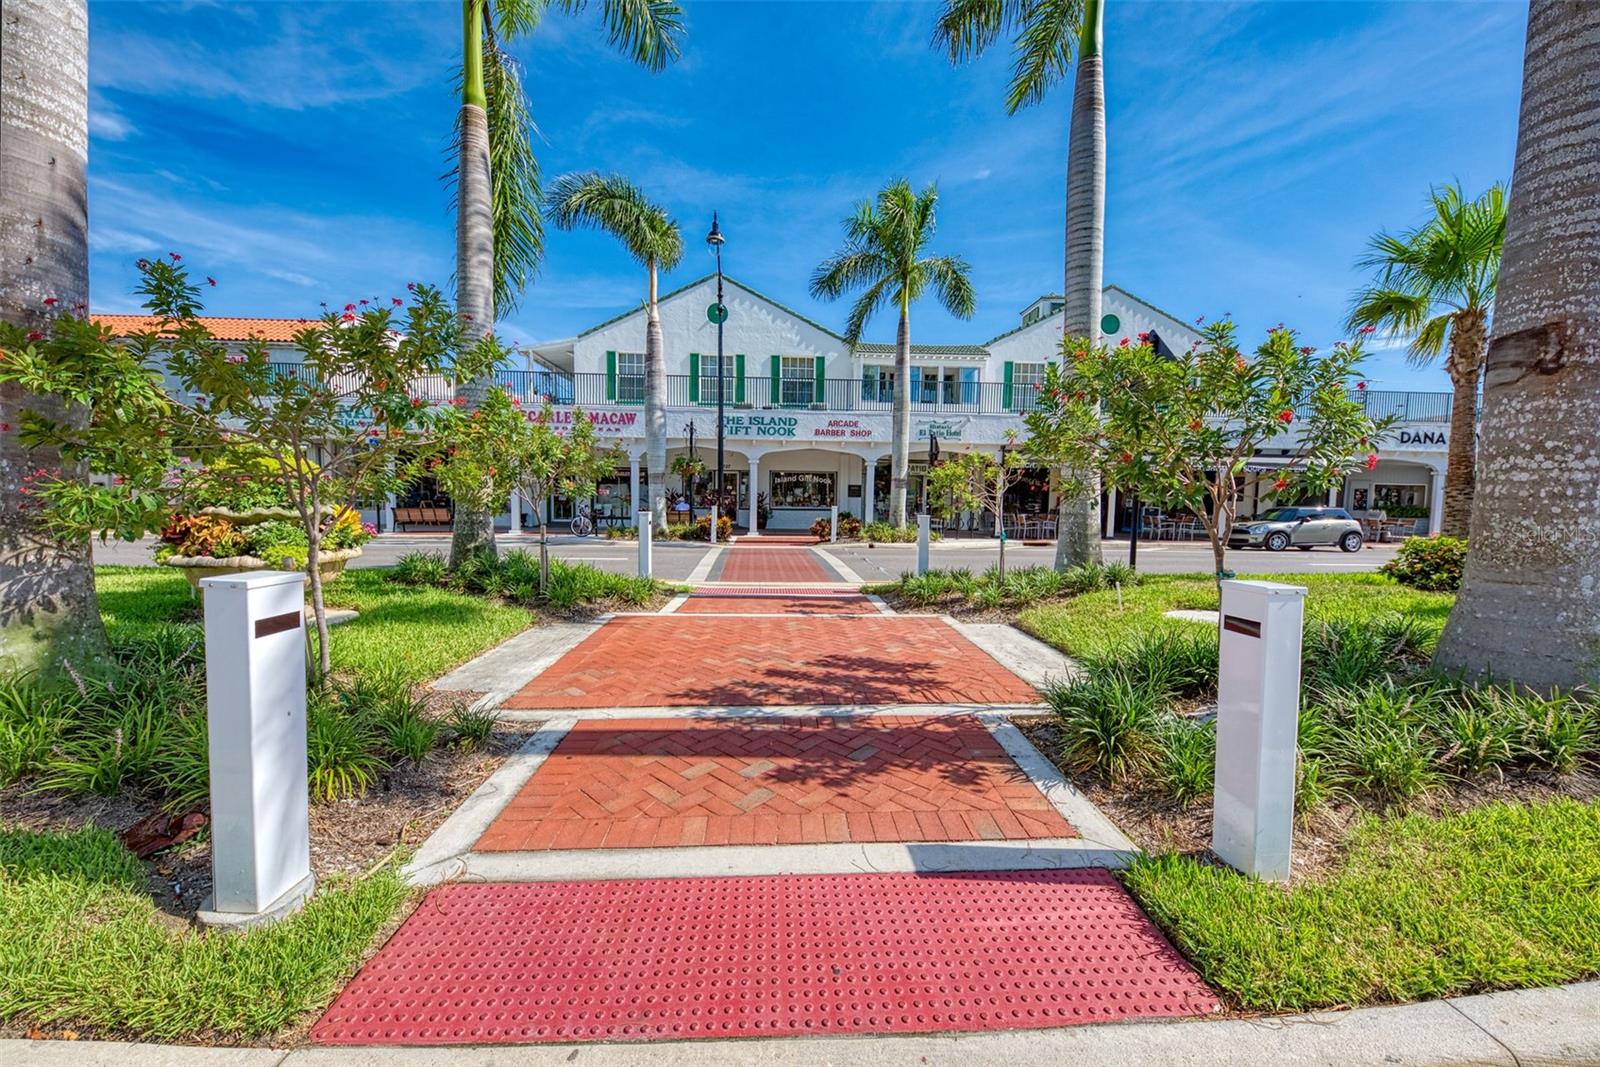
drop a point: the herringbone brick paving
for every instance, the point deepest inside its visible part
(637, 783)
(676, 660)
(844, 604)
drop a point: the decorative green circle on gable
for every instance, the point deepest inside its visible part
(1109, 323)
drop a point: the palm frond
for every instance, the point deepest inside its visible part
(647, 31)
(513, 18)
(951, 279)
(514, 179)
(611, 203)
(1042, 54)
(877, 294)
(1429, 342)
(849, 269)
(966, 27)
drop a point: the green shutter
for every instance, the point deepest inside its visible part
(738, 378)
(777, 388)
(611, 376)
(1005, 390)
(822, 380)
(694, 377)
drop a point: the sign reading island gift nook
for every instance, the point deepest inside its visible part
(762, 425)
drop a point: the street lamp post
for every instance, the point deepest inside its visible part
(719, 314)
(689, 481)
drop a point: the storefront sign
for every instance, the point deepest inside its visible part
(615, 423)
(848, 429)
(1419, 438)
(945, 429)
(762, 425)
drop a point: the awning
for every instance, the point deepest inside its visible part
(1273, 464)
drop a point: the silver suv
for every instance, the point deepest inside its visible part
(1304, 528)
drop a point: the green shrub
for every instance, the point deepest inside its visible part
(1109, 724)
(420, 568)
(1480, 729)
(470, 728)
(1171, 663)
(849, 528)
(341, 750)
(1381, 742)
(883, 533)
(1557, 731)
(1431, 563)
(1347, 653)
(32, 717)
(1187, 759)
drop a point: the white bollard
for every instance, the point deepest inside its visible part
(922, 545)
(256, 721)
(711, 531)
(833, 524)
(1258, 715)
(647, 530)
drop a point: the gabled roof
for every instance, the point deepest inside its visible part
(728, 281)
(221, 327)
(872, 349)
(1119, 290)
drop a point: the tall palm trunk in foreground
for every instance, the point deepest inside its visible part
(48, 611)
(473, 531)
(1529, 607)
(1078, 518)
(1465, 367)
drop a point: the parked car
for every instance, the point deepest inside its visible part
(1304, 528)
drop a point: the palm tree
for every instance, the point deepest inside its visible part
(611, 203)
(883, 254)
(1046, 32)
(1436, 283)
(499, 237)
(1529, 607)
(48, 611)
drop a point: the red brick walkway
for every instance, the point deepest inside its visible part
(638, 783)
(740, 604)
(676, 660)
(791, 563)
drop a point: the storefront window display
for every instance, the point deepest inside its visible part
(803, 490)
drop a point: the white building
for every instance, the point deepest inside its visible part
(808, 418)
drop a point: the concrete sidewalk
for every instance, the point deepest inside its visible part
(1531, 1028)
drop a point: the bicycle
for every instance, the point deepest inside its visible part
(582, 522)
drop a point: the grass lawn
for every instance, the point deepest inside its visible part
(1096, 621)
(417, 632)
(1499, 897)
(84, 946)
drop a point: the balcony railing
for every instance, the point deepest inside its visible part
(761, 393)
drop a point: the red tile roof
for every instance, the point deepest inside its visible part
(222, 328)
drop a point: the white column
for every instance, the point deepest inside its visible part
(1258, 713)
(647, 531)
(388, 503)
(633, 484)
(869, 489)
(922, 543)
(1436, 507)
(256, 721)
(1108, 528)
(515, 508)
(755, 491)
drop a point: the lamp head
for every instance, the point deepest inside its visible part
(714, 239)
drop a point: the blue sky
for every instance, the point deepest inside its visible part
(293, 150)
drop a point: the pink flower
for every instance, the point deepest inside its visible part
(144, 264)
(1122, 343)
(1199, 320)
(411, 287)
(175, 256)
(211, 281)
(1144, 338)
(35, 335)
(1372, 461)
(350, 307)
(363, 303)
(1369, 329)
(50, 301)
(1285, 416)
(1361, 385)
(1281, 484)
(396, 301)
(348, 316)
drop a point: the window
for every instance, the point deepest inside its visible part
(1026, 378)
(1402, 496)
(630, 377)
(877, 384)
(709, 380)
(961, 385)
(802, 490)
(798, 386)
(924, 385)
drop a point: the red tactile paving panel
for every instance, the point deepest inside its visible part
(702, 604)
(776, 539)
(791, 563)
(760, 957)
(674, 660)
(638, 783)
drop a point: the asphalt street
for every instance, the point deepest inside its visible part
(676, 560)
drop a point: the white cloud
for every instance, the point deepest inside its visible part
(106, 122)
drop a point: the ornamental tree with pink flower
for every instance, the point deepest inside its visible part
(1179, 428)
(341, 429)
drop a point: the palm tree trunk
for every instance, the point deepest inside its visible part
(472, 531)
(655, 409)
(900, 433)
(1529, 607)
(48, 611)
(1465, 367)
(1078, 517)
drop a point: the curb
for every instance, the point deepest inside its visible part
(1526, 1028)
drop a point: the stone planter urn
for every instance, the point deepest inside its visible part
(331, 565)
